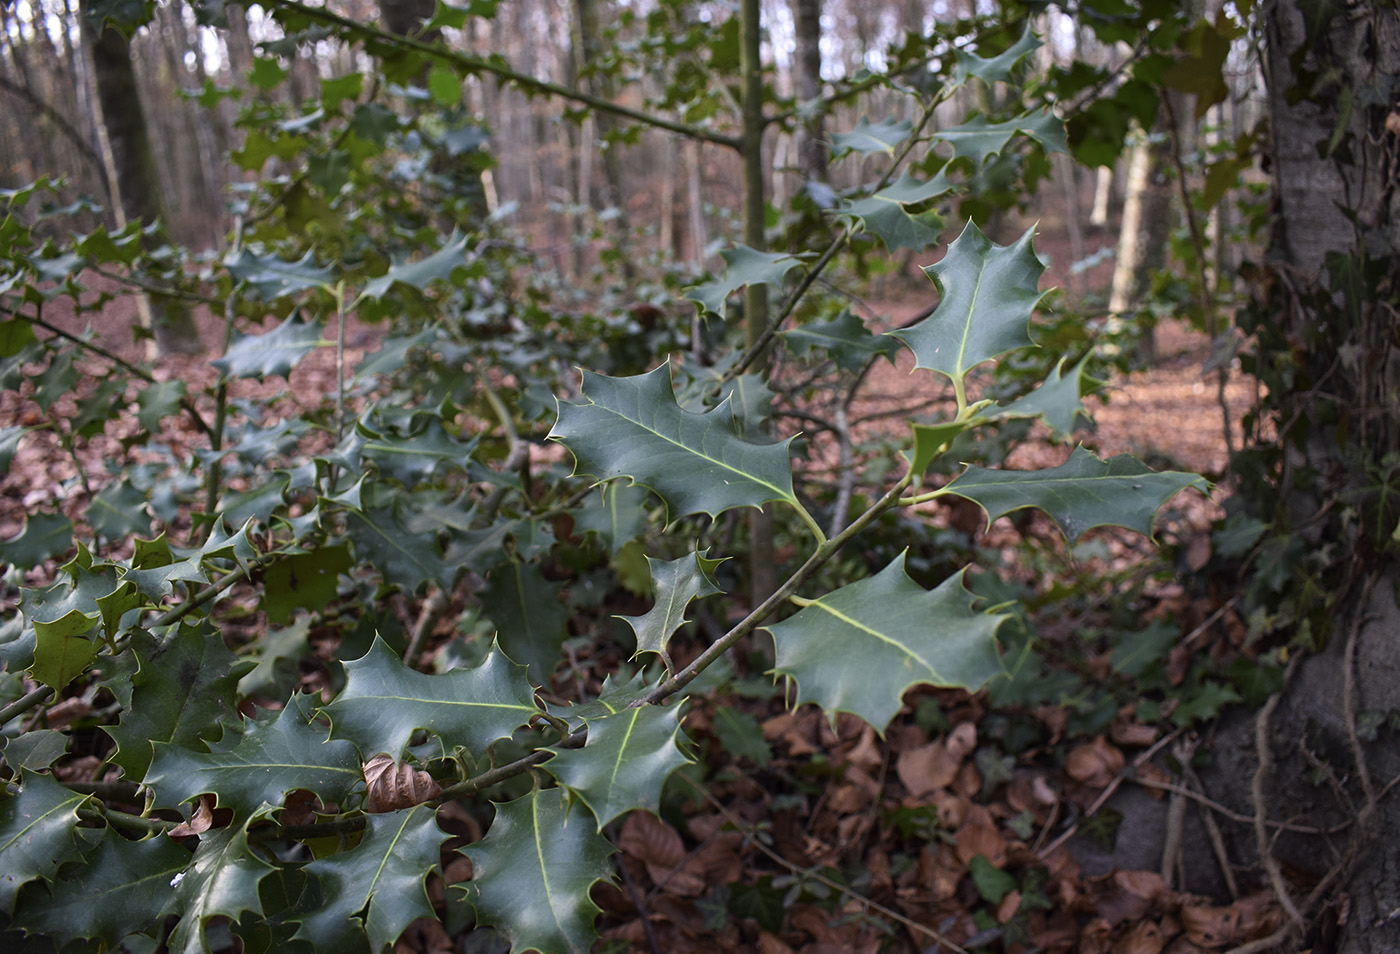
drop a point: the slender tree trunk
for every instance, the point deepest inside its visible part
(812, 151)
(1142, 237)
(131, 169)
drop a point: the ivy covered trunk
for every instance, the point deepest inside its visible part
(1328, 437)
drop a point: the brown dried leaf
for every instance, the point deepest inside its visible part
(978, 835)
(659, 848)
(1094, 764)
(201, 819)
(392, 786)
(962, 741)
(926, 769)
(1142, 938)
(1007, 909)
(1211, 927)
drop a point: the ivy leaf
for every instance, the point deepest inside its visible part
(271, 277)
(625, 762)
(377, 886)
(277, 754)
(435, 267)
(44, 535)
(989, 293)
(998, 68)
(182, 699)
(533, 872)
(617, 515)
(531, 623)
(121, 889)
(846, 339)
(36, 834)
(697, 463)
(384, 702)
(221, 881)
(1082, 493)
(742, 266)
(902, 635)
(1056, 402)
(675, 583)
(275, 353)
(869, 138)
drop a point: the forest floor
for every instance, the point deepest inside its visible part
(827, 838)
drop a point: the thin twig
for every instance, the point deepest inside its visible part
(24, 703)
(1349, 693)
(1261, 831)
(428, 614)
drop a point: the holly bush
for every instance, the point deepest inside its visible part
(427, 546)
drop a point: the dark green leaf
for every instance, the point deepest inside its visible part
(625, 762)
(277, 352)
(617, 514)
(675, 584)
(531, 622)
(384, 703)
(221, 881)
(846, 339)
(118, 510)
(420, 274)
(271, 277)
(36, 834)
(44, 535)
(997, 68)
(741, 735)
(303, 581)
(404, 559)
(869, 138)
(1057, 402)
(159, 401)
(742, 266)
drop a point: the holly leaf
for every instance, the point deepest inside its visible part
(625, 762)
(902, 635)
(533, 871)
(376, 888)
(869, 138)
(531, 623)
(697, 463)
(121, 889)
(10, 436)
(846, 339)
(182, 699)
(157, 402)
(1082, 493)
(438, 266)
(221, 881)
(617, 515)
(277, 754)
(675, 584)
(411, 459)
(997, 68)
(275, 353)
(933, 440)
(44, 535)
(742, 266)
(36, 834)
(271, 277)
(885, 215)
(1057, 401)
(404, 559)
(118, 510)
(303, 581)
(384, 702)
(989, 293)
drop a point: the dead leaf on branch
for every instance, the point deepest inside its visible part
(393, 786)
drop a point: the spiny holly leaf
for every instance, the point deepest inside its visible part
(221, 881)
(533, 872)
(697, 463)
(277, 754)
(44, 535)
(979, 138)
(404, 559)
(1081, 493)
(932, 440)
(157, 402)
(271, 277)
(118, 510)
(412, 458)
(614, 698)
(1056, 402)
(36, 834)
(846, 339)
(675, 584)
(122, 888)
(617, 515)
(303, 581)
(869, 138)
(375, 888)
(277, 352)
(859, 648)
(435, 267)
(10, 436)
(885, 215)
(384, 703)
(625, 762)
(531, 622)
(181, 699)
(989, 293)
(999, 67)
(742, 266)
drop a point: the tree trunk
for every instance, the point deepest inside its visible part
(1142, 237)
(131, 168)
(812, 149)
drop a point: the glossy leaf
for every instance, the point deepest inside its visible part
(533, 872)
(1082, 493)
(617, 514)
(989, 293)
(36, 834)
(277, 754)
(270, 277)
(846, 339)
(997, 68)
(1058, 402)
(438, 266)
(275, 353)
(531, 622)
(869, 138)
(625, 763)
(221, 881)
(404, 559)
(675, 584)
(979, 138)
(901, 634)
(44, 535)
(697, 463)
(742, 266)
(384, 703)
(375, 888)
